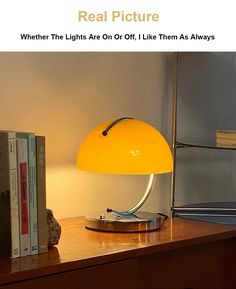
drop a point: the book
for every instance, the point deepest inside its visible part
(9, 208)
(32, 188)
(23, 191)
(41, 190)
(33, 194)
(226, 138)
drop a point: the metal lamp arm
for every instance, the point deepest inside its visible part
(139, 204)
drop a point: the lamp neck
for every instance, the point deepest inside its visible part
(139, 204)
(105, 132)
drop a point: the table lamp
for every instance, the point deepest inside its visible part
(125, 146)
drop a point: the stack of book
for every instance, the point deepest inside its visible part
(226, 138)
(23, 216)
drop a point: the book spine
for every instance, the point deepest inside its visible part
(14, 205)
(22, 155)
(41, 194)
(9, 214)
(33, 194)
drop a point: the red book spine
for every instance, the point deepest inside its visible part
(22, 155)
(24, 201)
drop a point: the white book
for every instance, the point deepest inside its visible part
(30, 137)
(23, 190)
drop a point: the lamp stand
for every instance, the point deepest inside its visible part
(127, 221)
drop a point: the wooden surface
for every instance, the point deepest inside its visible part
(80, 249)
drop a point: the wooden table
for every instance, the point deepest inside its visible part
(183, 254)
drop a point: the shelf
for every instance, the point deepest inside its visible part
(213, 209)
(204, 211)
(204, 103)
(203, 145)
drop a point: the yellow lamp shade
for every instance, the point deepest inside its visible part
(130, 146)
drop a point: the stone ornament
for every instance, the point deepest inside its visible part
(54, 229)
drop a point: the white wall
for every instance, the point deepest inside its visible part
(64, 95)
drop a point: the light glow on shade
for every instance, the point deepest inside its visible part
(131, 147)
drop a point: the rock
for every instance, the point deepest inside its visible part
(54, 229)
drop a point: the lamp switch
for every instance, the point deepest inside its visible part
(102, 216)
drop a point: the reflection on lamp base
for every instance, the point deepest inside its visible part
(138, 222)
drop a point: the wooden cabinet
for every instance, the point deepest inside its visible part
(183, 254)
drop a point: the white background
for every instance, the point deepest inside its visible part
(202, 17)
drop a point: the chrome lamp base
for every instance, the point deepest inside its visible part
(127, 221)
(138, 222)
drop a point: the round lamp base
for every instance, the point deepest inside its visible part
(138, 222)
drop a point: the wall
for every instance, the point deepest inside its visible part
(64, 95)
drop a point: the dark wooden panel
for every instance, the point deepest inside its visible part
(197, 267)
(110, 276)
(230, 263)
